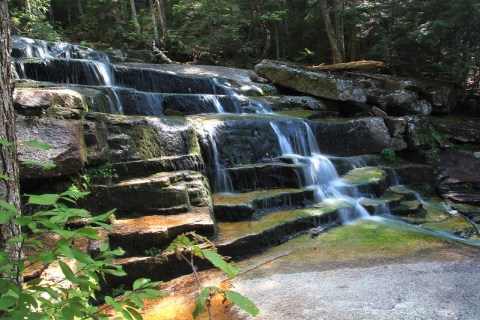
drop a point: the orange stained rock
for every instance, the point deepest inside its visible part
(179, 302)
(159, 223)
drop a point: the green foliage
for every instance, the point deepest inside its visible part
(389, 155)
(105, 173)
(153, 251)
(75, 295)
(190, 245)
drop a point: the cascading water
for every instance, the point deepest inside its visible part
(297, 142)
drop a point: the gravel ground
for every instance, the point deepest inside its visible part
(439, 279)
(413, 290)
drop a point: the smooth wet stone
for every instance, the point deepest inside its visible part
(345, 164)
(247, 237)
(67, 150)
(320, 84)
(137, 235)
(370, 180)
(241, 206)
(412, 208)
(151, 80)
(415, 174)
(470, 211)
(265, 175)
(405, 193)
(183, 104)
(352, 137)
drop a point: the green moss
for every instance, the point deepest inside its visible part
(364, 175)
(241, 198)
(233, 230)
(147, 141)
(298, 113)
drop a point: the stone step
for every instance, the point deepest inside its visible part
(242, 206)
(142, 168)
(238, 239)
(367, 180)
(161, 193)
(265, 176)
(139, 236)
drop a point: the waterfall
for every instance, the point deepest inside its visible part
(298, 142)
(222, 182)
(229, 92)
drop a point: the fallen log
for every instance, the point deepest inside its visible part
(354, 65)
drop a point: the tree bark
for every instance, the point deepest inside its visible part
(9, 188)
(134, 17)
(80, 8)
(162, 19)
(339, 5)
(154, 23)
(329, 28)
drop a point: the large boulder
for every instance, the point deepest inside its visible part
(458, 130)
(353, 136)
(67, 150)
(50, 102)
(140, 138)
(458, 176)
(442, 97)
(320, 84)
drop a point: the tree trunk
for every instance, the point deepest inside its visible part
(9, 189)
(277, 40)
(154, 23)
(134, 17)
(162, 19)
(339, 32)
(329, 28)
(80, 8)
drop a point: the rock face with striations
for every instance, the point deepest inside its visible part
(320, 84)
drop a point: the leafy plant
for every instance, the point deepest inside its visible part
(74, 295)
(38, 299)
(152, 251)
(190, 245)
(389, 155)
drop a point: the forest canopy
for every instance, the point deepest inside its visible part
(424, 38)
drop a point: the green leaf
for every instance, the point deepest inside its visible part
(4, 177)
(134, 313)
(81, 256)
(36, 144)
(44, 199)
(23, 221)
(8, 206)
(68, 313)
(5, 216)
(41, 164)
(140, 283)
(218, 261)
(67, 272)
(200, 302)
(243, 302)
(7, 302)
(5, 143)
(74, 193)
